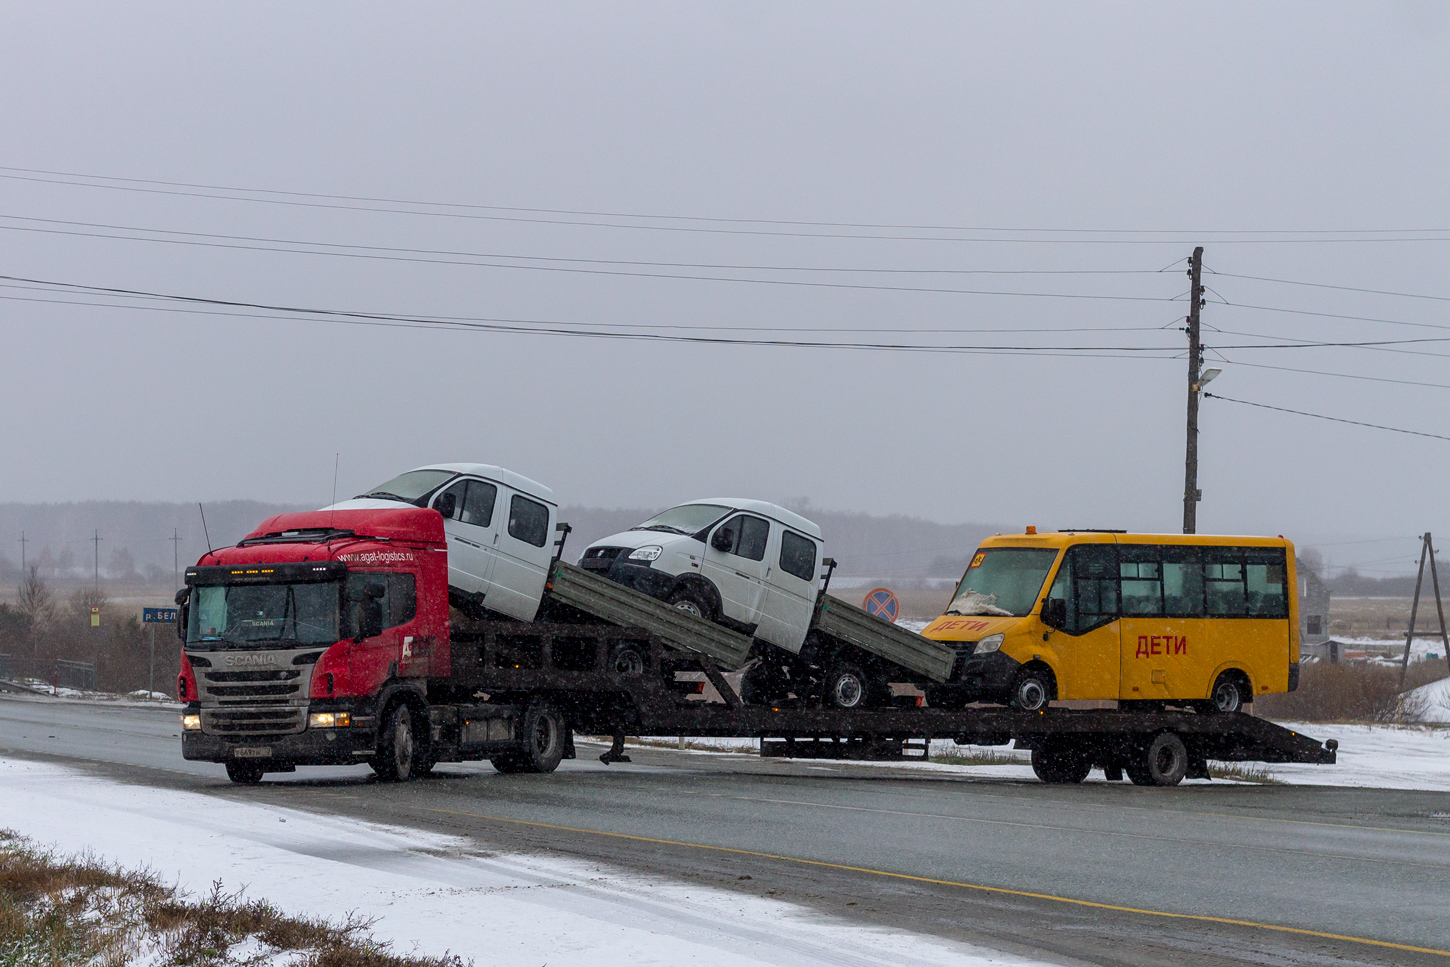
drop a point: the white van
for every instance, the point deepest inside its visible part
(498, 525)
(747, 564)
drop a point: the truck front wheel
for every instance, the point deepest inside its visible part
(244, 773)
(542, 731)
(396, 748)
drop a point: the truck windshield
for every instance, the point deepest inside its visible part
(411, 485)
(1003, 581)
(244, 615)
(684, 519)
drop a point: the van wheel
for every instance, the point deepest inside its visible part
(1227, 694)
(1163, 763)
(692, 602)
(848, 686)
(244, 773)
(542, 730)
(396, 747)
(1061, 763)
(1032, 690)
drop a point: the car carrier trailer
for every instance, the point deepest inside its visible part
(331, 641)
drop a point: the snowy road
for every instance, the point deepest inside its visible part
(922, 855)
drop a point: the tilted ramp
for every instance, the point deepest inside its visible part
(848, 623)
(617, 604)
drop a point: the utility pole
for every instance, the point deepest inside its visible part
(1191, 493)
(22, 555)
(176, 557)
(97, 541)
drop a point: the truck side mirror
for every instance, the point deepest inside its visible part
(183, 612)
(1054, 612)
(723, 539)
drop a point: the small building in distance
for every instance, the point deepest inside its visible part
(1314, 596)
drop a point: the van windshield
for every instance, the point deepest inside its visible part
(249, 615)
(684, 519)
(410, 486)
(1003, 581)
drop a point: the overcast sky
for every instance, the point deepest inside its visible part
(1028, 137)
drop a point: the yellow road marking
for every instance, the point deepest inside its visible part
(966, 886)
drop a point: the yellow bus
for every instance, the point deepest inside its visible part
(1151, 620)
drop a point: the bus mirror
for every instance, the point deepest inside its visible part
(1054, 612)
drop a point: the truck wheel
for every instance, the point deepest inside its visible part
(1032, 690)
(542, 730)
(1163, 763)
(847, 686)
(1227, 694)
(1060, 763)
(244, 773)
(396, 748)
(692, 602)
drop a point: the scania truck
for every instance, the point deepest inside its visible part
(327, 638)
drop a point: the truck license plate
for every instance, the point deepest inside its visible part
(252, 752)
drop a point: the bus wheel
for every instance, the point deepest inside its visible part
(1227, 694)
(1060, 763)
(1163, 763)
(244, 773)
(542, 731)
(1032, 690)
(396, 747)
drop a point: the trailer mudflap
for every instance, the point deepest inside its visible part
(848, 623)
(617, 604)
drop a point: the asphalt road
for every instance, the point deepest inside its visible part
(1042, 871)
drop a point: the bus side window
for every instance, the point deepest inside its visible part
(1092, 572)
(1223, 575)
(1264, 576)
(1182, 583)
(1142, 581)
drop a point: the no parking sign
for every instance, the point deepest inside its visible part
(882, 604)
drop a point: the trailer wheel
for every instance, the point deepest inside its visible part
(692, 602)
(542, 730)
(627, 661)
(1163, 763)
(1032, 690)
(1061, 763)
(396, 746)
(1227, 694)
(848, 686)
(244, 773)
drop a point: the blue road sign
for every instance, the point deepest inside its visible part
(882, 604)
(158, 616)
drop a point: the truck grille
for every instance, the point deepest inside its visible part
(282, 720)
(250, 688)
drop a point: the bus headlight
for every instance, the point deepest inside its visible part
(191, 723)
(988, 645)
(329, 720)
(650, 552)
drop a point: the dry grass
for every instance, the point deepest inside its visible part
(60, 911)
(1244, 772)
(977, 757)
(1351, 693)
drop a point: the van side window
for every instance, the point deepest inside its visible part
(754, 532)
(478, 505)
(528, 521)
(1088, 582)
(402, 600)
(798, 556)
(450, 502)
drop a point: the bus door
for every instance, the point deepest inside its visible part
(1166, 639)
(1087, 646)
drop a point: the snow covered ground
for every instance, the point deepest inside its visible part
(433, 893)
(1434, 700)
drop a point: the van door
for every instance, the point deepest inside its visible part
(1086, 648)
(790, 594)
(467, 509)
(739, 570)
(522, 564)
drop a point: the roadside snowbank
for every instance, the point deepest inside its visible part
(434, 894)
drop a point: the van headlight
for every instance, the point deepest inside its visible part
(988, 645)
(650, 552)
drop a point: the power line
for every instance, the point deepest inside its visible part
(533, 215)
(1320, 372)
(1321, 416)
(1340, 288)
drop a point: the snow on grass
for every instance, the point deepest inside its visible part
(434, 894)
(1375, 756)
(1433, 700)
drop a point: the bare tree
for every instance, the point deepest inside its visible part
(38, 605)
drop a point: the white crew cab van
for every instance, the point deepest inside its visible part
(747, 564)
(498, 525)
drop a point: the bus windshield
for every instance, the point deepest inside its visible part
(1003, 581)
(249, 615)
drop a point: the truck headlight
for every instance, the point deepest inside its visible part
(650, 552)
(191, 723)
(988, 645)
(329, 720)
